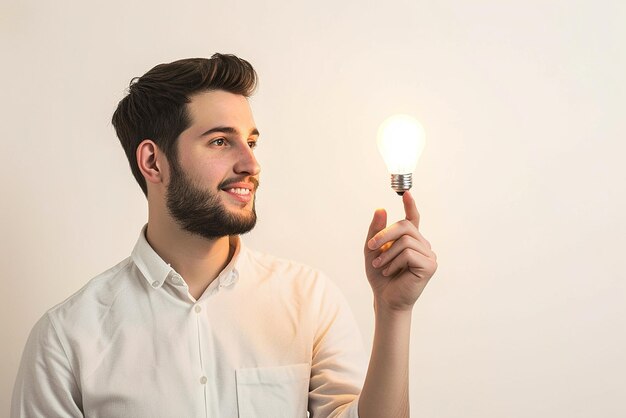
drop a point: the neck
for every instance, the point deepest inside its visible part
(197, 259)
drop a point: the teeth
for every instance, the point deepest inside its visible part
(239, 191)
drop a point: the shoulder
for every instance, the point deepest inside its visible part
(270, 266)
(94, 298)
(269, 262)
(293, 277)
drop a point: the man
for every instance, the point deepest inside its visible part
(193, 323)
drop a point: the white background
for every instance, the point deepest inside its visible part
(521, 185)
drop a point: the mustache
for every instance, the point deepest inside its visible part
(228, 182)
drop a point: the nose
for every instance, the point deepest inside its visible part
(247, 163)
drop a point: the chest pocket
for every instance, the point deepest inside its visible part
(273, 392)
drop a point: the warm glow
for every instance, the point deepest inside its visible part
(400, 142)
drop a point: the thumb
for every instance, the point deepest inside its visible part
(379, 222)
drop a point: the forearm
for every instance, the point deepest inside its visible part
(385, 392)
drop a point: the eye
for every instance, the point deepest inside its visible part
(252, 144)
(220, 142)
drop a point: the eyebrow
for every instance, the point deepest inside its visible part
(228, 130)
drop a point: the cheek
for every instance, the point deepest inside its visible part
(211, 171)
(204, 168)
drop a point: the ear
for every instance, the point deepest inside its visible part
(151, 161)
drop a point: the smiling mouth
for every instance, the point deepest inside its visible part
(239, 191)
(240, 187)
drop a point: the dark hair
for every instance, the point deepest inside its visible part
(156, 105)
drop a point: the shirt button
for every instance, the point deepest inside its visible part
(203, 380)
(176, 280)
(155, 284)
(197, 308)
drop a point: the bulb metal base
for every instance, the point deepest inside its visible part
(400, 183)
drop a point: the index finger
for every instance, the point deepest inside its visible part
(410, 210)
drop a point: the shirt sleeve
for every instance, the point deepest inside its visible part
(45, 385)
(338, 360)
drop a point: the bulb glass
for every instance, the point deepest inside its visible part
(401, 141)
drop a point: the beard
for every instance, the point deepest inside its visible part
(201, 212)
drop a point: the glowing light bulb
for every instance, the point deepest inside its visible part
(400, 142)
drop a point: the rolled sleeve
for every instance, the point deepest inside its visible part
(338, 363)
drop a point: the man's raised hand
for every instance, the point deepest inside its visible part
(398, 259)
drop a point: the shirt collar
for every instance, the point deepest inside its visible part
(230, 274)
(155, 270)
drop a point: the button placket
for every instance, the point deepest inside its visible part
(203, 379)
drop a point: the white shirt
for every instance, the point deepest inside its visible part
(268, 338)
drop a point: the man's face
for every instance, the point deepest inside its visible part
(212, 186)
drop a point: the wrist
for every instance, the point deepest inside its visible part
(384, 310)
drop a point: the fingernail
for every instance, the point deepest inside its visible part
(386, 271)
(372, 244)
(376, 262)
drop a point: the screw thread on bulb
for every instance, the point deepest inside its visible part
(400, 183)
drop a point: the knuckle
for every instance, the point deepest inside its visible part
(424, 240)
(405, 224)
(404, 240)
(406, 252)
